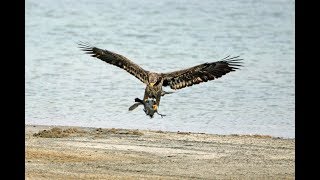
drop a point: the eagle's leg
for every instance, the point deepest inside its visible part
(155, 106)
(165, 92)
(146, 96)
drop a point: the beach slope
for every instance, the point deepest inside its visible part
(57, 152)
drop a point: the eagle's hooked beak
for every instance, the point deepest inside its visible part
(151, 84)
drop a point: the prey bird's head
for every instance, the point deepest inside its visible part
(153, 79)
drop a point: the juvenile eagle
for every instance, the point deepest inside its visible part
(176, 80)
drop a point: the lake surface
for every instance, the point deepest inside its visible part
(64, 86)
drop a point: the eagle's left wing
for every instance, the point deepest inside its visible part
(201, 73)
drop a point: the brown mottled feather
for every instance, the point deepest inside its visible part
(117, 60)
(200, 73)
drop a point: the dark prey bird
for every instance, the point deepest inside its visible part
(148, 105)
(175, 80)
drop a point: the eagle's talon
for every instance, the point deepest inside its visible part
(155, 107)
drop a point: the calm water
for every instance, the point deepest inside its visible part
(64, 86)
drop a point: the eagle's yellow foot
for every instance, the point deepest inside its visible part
(155, 107)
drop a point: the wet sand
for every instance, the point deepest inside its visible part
(57, 152)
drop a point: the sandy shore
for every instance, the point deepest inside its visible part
(95, 153)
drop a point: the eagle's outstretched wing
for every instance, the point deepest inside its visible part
(117, 60)
(201, 73)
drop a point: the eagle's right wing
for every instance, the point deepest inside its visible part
(117, 60)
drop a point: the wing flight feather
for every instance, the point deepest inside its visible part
(201, 73)
(117, 60)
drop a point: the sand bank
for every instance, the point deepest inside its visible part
(57, 152)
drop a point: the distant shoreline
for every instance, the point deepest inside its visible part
(64, 152)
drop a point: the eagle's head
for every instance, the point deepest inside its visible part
(154, 79)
